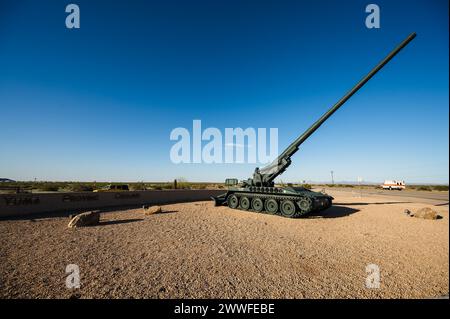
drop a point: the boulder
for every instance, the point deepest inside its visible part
(152, 210)
(85, 219)
(427, 213)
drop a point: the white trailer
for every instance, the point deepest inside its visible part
(398, 185)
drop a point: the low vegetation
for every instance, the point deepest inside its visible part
(13, 187)
(79, 187)
(428, 188)
(340, 185)
(45, 186)
(440, 188)
(138, 187)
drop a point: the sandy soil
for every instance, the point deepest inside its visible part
(195, 250)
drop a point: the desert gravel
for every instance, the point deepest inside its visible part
(195, 250)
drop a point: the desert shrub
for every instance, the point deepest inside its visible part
(199, 186)
(138, 187)
(330, 185)
(78, 187)
(183, 185)
(159, 186)
(424, 188)
(48, 187)
(307, 186)
(440, 187)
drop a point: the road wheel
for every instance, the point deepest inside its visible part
(245, 203)
(288, 208)
(232, 201)
(271, 206)
(257, 204)
(305, 204)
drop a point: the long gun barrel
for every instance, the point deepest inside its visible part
(294, 146)
(269, 173)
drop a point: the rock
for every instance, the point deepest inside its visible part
(408, 212)
(152, 210)
(85, 219)
(427, 213)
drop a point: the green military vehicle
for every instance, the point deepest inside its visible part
(259, 193)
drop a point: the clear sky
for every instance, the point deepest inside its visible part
(99, 102)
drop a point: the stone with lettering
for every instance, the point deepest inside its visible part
(91, 218)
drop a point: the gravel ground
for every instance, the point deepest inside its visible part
(195, 250)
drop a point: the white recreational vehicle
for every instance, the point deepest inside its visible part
(399, 185)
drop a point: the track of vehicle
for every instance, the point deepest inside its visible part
(276, 204)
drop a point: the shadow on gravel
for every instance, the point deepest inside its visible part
(378, 203)
(443, 204)
(333, 212)
(167, 212)
(119, 221)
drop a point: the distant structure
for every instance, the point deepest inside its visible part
(6, 180)
(398, 185)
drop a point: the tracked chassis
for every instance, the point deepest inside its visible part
(289, 202)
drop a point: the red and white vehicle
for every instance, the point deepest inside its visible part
(399, 185)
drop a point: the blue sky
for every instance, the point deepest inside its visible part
(99, 102)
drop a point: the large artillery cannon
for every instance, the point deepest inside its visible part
(260, 194)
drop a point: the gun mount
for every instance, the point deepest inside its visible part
(259, 192)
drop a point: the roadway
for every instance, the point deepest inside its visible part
(433, 197)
